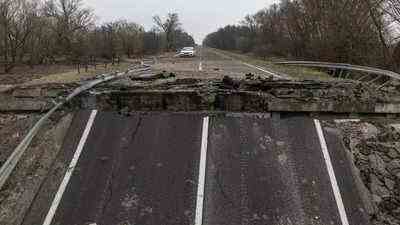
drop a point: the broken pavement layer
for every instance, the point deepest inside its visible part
(171, 94)
(374, 147)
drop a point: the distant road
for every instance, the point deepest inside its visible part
(211, 63)
(248, 65)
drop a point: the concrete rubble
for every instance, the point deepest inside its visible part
(375, 147)
(165, 92)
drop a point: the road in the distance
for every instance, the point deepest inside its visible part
(208, 64)
(146, 169)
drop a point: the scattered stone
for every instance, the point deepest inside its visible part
(378, 188)
(230, 83)
(364, 149)
(376, 199)
(369, 131)
(389, 184)
(377, 164)
(379, 146)
(363, 161)
(394, 166)
(388, 204)
(396, 127)
(389, 135)
(5, 88)
(250, 76)
(393, 153)
(386, 158)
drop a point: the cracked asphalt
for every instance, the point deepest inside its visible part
(144, 168)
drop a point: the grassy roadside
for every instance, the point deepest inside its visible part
(73, 76)
(296, 72)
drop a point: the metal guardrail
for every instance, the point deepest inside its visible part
(12, 161)
(344, 67)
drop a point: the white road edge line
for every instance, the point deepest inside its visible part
(331, 172)
(202, 173)
(263, 70)
(70, 170)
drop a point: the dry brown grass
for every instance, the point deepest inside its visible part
(73, 76)
(58, 73)
(296, 72)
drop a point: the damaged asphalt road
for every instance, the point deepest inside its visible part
(177, 85)
(264, 163)
(144, 169)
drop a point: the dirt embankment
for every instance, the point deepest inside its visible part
(13, 128)
(375, 147)
(24, 183)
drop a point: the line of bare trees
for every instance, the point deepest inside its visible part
(352, 31)
(37, 32)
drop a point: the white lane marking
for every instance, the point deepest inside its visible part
(70, 170)
(263, 70)
(331, 172)
(249, 65)
(202, 173)
(200, 66)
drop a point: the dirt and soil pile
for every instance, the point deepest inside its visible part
(375, 147)
(13, 128)
(23, 185)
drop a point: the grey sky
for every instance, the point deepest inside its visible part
(199, 17)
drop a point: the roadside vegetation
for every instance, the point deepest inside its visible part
(45, 33)
(364, 32)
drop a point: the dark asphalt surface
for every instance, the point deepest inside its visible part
(143, 169)
(44, 197)
(135, 170)
(354, 208)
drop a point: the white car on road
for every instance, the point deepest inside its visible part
(187, 52)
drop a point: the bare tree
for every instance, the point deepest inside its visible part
(130, 35)
(46, 31)
(69, 18)
(352, 31)
(17, 19)
(393, 10)
(169, 26)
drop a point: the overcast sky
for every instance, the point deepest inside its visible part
(199, 17)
